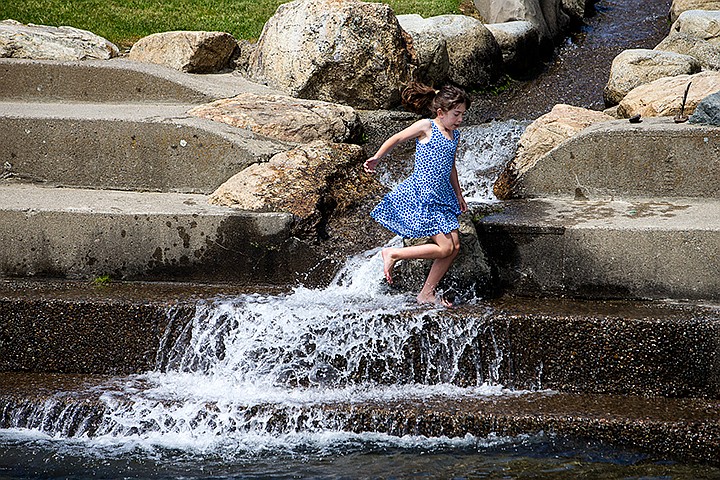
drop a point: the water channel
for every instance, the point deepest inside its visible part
(242, 390)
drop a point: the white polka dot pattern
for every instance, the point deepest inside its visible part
(425, 203)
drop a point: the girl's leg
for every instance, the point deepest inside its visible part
(443, 246)
(438, 270)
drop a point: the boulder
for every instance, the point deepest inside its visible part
(541, 136)
(431, 53)
(309, 181)
(635, 67)
(469, 275)
(680, 6)
(520, 46)
(708, 54)
(474, 54)
(702, 24)
(191, 52)
(547, 15)
(41, 42)
(575, 9)
(285, 118)
(663, 97)
(349, 52)
(707, 111)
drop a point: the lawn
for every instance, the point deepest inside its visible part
(124, 21)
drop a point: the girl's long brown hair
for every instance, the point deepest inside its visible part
(422, 99)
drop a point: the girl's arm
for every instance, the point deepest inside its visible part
(420, 129)
(458, 191)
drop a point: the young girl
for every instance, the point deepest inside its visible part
(428, 202)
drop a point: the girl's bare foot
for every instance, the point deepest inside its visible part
(388, 264)
(424, 299)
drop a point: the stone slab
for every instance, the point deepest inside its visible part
(633, 248)
(75, 233)
(115, 81)
(656, 157)
(154, 147)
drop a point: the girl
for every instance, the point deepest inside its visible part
(427, 203)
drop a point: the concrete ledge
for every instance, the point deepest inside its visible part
(114, 81)
(71, 233)
(628, 348)
(133, 147)
(681, 430)
(654, 158)
(635, 248)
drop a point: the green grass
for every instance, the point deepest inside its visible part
(124, 21)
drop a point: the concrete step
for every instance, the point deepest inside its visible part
(76, 233)
(114, 81)
(126, 146)
(610, 347)
(686, 430)
(620, 159)
(631, 248)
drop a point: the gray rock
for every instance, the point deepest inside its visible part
(706, 53)
(519, 42)
(703, 24)
(469, 275)
(680, 6)
(475, 56)
(433, 61)
(41, 42)
(187, 51)
(707, 111)
(635, 67)
(348, 52)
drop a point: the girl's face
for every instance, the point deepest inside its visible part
(452, 118)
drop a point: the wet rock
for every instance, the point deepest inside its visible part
(433, 62)
(311, 182)
(469, 275)
(475, 56)
(635, 67)
(541, 136)
(703, 24)
(707, 111)
(680, 6)
(663, 97)
(520, 46)
(348, 52)
(41, 42)
(285, 118)
(187, 51)
(706, 53)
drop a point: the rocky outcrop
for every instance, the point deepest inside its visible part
(663, 97)
(430, 46)
(708, 54)
(680, 6)
(541, 136)
(309, 181)
(520, 46)
(187, 51)
(635, 67)
(348, 52)
(285, 118)
(702, 24)
(41, 42)
(707, 111)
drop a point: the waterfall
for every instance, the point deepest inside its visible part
(258, 371)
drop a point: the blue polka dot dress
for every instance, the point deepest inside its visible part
(425, 203)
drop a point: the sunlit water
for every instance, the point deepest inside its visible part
(237, 392)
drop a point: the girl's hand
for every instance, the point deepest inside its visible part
(463, 204)
(370, 164)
